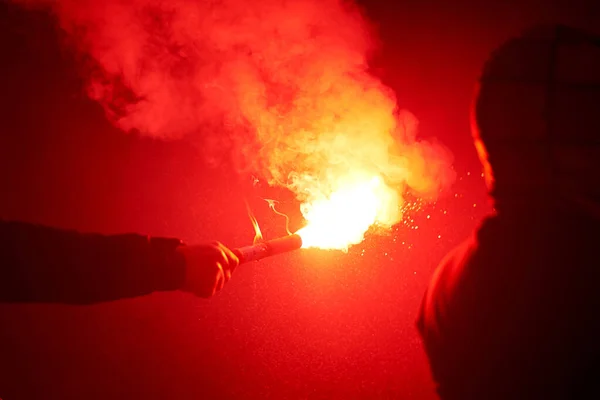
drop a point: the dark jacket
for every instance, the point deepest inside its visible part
(43, 264)
(513, 313)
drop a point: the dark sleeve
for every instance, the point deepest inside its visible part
(437, 327)
(42, 264)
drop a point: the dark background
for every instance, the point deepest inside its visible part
(308, 325)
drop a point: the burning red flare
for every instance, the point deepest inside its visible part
(283, 84)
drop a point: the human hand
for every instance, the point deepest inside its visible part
(208, 268)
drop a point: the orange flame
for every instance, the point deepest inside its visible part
(258, 237)
(343, 218)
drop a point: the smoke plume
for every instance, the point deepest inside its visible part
(283, 85)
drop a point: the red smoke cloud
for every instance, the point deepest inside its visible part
(283, 84)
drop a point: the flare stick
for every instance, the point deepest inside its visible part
(269, 248)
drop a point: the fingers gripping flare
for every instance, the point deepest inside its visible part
(208, 268)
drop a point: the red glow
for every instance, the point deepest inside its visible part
(283, 86)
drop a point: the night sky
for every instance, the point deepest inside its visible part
(308, 325)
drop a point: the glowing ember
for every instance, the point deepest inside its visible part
(343, 218)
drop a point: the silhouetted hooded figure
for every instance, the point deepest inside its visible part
(513, 313)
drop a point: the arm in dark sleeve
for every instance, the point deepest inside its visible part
(42, 264)
(437, 327)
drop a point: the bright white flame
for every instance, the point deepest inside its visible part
(341, 219)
